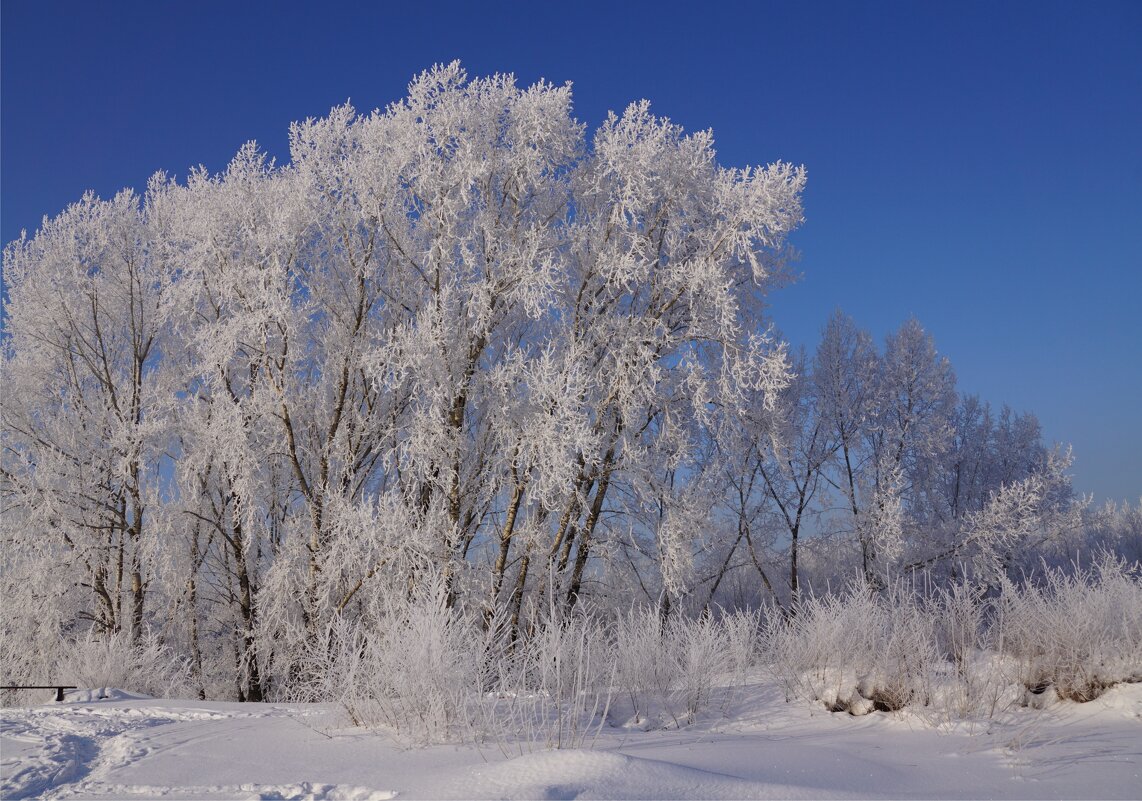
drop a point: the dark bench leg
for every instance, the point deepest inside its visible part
(59, 693)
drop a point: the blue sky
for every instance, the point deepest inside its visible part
(978, 165)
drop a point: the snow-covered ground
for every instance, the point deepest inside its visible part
(124, 746)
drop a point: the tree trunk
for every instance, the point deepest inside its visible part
(588, 530)
(516, 605)
(502, 556)
(192, 602)
(248, 615)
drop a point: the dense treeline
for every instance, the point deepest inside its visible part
(454, 348)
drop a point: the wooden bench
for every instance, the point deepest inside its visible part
(59, 688)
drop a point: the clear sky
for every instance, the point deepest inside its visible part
(977, 165)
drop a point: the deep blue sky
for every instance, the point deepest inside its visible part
(976, 165)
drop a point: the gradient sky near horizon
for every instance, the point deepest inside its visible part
(975, 164)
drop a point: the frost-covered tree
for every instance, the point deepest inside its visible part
(905, 469)
(670, 258)
(83, 414)
(460, 359)
(791, 464)
(844, 374)
(914, 396)
(454, 343)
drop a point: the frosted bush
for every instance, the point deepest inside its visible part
(411, 671)
(977, 682)
(643, 675)
(561, 691)
(1078, 631)
(705, 650)
(907, 652)
(857, 651)
(817, 651)
(32, 637)
(404, 664)
(111, 660)
(960, 615)
(428, 673)
(670, 673)
(29, 646)
(742, 640)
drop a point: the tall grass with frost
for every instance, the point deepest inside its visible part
(856, 651)
(111, 660)
(1078, 632)
(410, 668)
(673, 672)
(960, 650)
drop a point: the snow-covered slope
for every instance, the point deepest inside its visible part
(130, 747)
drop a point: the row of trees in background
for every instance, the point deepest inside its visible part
(454, 345)
(875, 450)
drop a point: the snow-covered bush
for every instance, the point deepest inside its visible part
(1079, 631)
(111, 660)
(36, 648)
(428, 673)
(973, 682)
(1112, 528)
(856, 651)
(643, 676)
(967, 655)
(411, 669)
(671, 672)
(29, 647)
(552, 688)
(960, 612)
(706, 651)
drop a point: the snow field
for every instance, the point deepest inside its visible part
(767, 748)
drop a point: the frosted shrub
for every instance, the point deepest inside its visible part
(977, 682)
(742, 640)
(410, 668)
(643, 674)
(818, 651)
(427, 673)
(29, 648)
(1078, 631)
(856, 652)
(333, 671)
(960, 612)
(550, 688)
(907, 654)
(700, 650)
(32, 638)
(562, 692)
(110, 660)
(670, 672)
(426, 669)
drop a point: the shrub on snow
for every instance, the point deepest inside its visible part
(1078, 631)
(410, 668)
(551, 687)
(671, 672)
(856, 651)
(111, 660)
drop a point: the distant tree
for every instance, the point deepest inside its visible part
(844, 372)
(794, 461)
(910, 432)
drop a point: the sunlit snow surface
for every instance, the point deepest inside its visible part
(122, 746)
